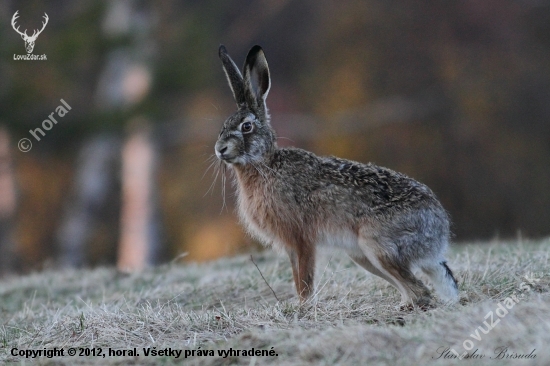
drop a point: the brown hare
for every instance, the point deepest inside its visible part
(293, 200)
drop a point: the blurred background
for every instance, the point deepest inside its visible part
(453, 93)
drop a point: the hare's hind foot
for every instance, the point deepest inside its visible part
(442, 279)
(410, 307)
(398, 274)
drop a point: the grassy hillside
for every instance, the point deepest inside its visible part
(214, 307)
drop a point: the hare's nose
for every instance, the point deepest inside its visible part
(220, 151)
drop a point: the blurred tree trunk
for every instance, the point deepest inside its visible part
(93, 182)
(8, 253)
(139, 242)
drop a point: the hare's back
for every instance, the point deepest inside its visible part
(376, 187)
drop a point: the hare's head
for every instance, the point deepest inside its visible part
(246, 136)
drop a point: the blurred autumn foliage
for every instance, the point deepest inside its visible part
(453, 93)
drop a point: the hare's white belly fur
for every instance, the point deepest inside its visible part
(339, 239)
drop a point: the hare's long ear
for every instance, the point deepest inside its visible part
(234, 77)
(256, 78)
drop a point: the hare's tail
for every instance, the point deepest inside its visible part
(443, 280)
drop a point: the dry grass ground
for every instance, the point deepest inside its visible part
(352, 320)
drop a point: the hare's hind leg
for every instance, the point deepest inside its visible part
(411, 288)
(442, 279)
(302, 259)
(416, 290)
(363, 261)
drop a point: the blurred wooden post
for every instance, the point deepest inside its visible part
(139, 236)
(8, 256)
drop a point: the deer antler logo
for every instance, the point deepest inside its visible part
(29, 40)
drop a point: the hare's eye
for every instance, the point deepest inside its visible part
(246, 127)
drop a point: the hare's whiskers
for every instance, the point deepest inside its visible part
(209, 166)
(224, 172)
(211, 188)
